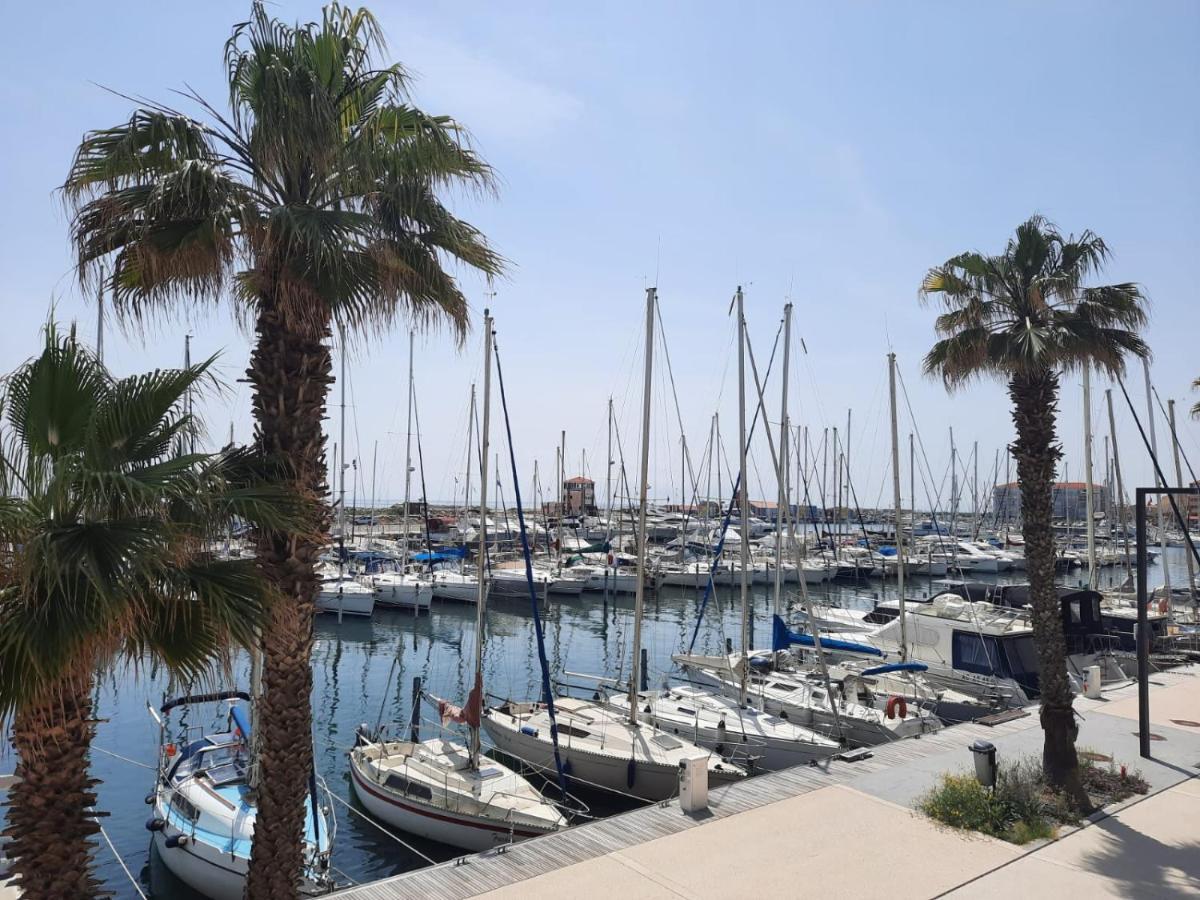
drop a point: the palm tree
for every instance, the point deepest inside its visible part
(104, 526)
(1026, 316)
(313, 201)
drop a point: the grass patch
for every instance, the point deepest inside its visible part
(1022, 808)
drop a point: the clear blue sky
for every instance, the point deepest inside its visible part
(829, 153)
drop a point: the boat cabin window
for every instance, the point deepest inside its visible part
(184, 807)
(666, 742)
(976, 653)
(398, 782)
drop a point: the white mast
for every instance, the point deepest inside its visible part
(639, 597)
(900, 562)
(408, 456)
(1162, 532)
(1093, 571)
(743, 497)
(782, 471)
(481, 567)
(562, 495)
(1191, 563)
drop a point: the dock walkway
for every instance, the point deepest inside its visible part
(853, 820)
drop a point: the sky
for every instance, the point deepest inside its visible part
(822, 154)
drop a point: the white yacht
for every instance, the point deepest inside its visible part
(346, 596)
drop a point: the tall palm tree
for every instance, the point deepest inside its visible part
(1026, 316)
(313, 201)
(105, 529)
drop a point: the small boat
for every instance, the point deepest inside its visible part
(458, 586)
(402, 590)
(344, 595)
(203, 807)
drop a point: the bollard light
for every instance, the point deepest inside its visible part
(985, 762)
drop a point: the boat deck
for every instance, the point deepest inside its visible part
(469, 876)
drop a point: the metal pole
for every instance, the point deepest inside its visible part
(781, 472)
(639, 597)
(562, 494)
(1161, 482)
(480, 564)
(1143, 629)
(897, 505)
(743, 496)
(1093, 572)
(1191, 563)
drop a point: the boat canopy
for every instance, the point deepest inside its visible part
(782, 637)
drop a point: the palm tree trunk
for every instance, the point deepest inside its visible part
(50, 817)
(290, 372)
(1035, 402)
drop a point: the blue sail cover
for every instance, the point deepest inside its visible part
(241, 721)
(895, 667)
(782, 637)
(440, 555)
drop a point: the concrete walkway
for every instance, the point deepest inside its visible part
(859, 835)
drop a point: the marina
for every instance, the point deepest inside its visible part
(353, 675)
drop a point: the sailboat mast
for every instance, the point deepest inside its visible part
(1093, 571)
(481, 566)
(408, 455)
(1191, 562)
(608, 468)
(782, 472)
(100, 318)
(639, 597)
(562, 497)
(1162, 532)
(743, 497)
(470, 438)
(374, 461)
(897, 506)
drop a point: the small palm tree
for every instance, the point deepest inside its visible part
(313, 201)
(1026, 316)
(105, 530)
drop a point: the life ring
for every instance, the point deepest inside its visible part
(894, 703)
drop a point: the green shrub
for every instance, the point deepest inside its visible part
(1014, 812)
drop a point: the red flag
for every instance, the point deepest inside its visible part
(464, 715)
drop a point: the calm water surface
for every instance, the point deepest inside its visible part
(355, 681)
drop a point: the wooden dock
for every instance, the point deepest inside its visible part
(469, 876)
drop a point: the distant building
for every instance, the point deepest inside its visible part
(1069, 497)
(579, 494)
(765, 509)
(1189, 505)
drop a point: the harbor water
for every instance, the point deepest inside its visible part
(363, 672)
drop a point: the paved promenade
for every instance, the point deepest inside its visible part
(850, 830)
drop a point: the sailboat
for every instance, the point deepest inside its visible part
(440, 789)
(598, 744)
(340, 592)
(402, 587)
(203, 806)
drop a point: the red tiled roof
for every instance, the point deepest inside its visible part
(579, 479)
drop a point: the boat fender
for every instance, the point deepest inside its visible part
(149, 799)
(896, 704)
(630, 773)
(529, 730)
(154, 823)
(176, 840)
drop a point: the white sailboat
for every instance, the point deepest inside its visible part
(599, 745)
(441, 789)
(339, 593)
(204, 810)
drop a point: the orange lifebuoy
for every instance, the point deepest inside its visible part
(897, 703)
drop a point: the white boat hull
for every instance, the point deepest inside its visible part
(474, 833)
(203, 868)
(348, 603)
